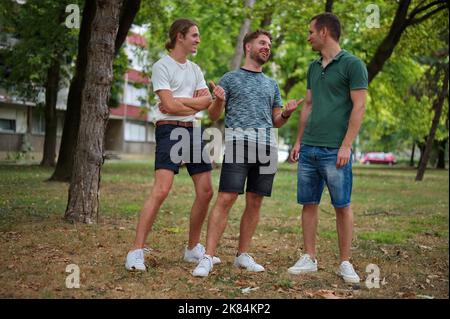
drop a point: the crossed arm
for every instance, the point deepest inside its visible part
(184, 106)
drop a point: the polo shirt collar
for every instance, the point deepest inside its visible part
(336, 57)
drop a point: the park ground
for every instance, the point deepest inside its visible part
(401, 226)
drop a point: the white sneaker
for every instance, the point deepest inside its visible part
(347, 272)
(195, 254)
(135, 260)
(244, 260)
(304, 265)
(204, 267)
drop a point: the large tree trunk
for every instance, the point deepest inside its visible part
(245, 28)
(438, 105)
(83, 202)
(64, 165)
(51, 96)
(69, 137)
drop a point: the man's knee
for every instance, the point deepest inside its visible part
(205, 194)
(254, 201)
(226, 199)
(161, 193)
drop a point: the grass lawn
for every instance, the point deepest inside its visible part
(400, 225)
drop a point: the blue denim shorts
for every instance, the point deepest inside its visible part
(317, 167)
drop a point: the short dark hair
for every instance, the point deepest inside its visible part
(253, 35)
(178, 26)
(329, 21)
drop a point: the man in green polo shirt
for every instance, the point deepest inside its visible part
(330, 120)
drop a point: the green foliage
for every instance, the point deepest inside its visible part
(39, 25)
(120, 66)
(399, 106)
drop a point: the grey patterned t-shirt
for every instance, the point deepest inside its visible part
(250, 99)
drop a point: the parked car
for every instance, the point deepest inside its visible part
(379, 158)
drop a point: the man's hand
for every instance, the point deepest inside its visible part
(218, 91)
(202, 92)
(162, 109)
(293, 156)
(343, 156)
(291, 106)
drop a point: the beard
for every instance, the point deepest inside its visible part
(255, 56)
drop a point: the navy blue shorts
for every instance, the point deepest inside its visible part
(186, 146)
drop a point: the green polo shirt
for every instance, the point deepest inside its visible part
(331, 101)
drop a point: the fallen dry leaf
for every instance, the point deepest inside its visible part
(327, 294)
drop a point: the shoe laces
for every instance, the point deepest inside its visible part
(205, 262)
(347, 267)
(200, 248)
(304, 260)
(250, 258)
(139, 256)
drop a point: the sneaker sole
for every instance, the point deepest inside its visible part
(243, 267)
(198, 275)
(134, 269)
(216, 260)
(191, 260)
(303, 271)
(351, 281)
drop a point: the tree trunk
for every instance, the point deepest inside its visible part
(64, 165)
(69, 137)
(83, 202)
(329, 6)
(245, 28)
(51, 96)
(411, 161)
(441, 157)
(438, 105)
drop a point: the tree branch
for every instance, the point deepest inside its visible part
(127, 14)
(426, 16)
(419, 9)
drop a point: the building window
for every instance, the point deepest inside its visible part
(38, 123)
(135, 96)
(7, 125)
(151, 134)
(137, 57)
(135, 132)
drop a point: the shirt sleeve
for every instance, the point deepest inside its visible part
(277, 98)
(223, 82)
(358, 75)
(201, 84)
(160, 77)
(308, 80)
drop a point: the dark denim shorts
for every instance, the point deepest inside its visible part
(241, 168)
(317, 167)
(182, 148)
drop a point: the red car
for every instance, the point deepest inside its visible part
(379, 158)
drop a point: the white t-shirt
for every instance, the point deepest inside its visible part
(183, 79)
